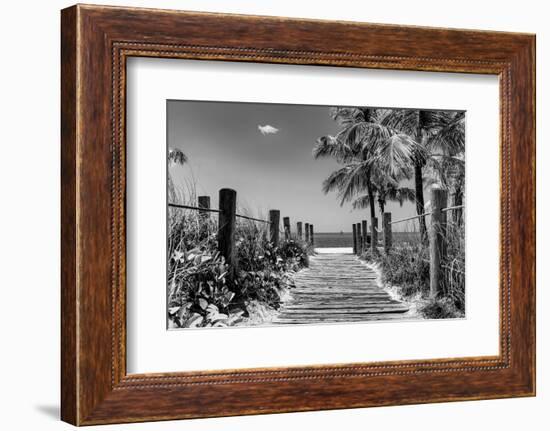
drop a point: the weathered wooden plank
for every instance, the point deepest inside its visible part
(338, 288)
(361, 319)
(338, 305)
(320, 290)
(340, 297)
(335, 311)
(331, 311)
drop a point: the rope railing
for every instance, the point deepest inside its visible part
(453, 208)
(212, 210)
(227, 222)
(252, 218)
(411, 218)
(427, 214)
(189, 207)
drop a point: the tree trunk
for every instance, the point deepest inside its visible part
(457, 201)
(419, 195)
(372, 202)
(421, 138)
(381, 206)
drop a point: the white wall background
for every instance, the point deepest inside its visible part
(29, 216)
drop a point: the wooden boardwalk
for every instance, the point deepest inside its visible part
(338, 288)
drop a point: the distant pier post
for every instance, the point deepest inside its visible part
(274, 217)
(311, 238)
(354, 227)
(307, 233)
(286, 227)
(299, 230)
(359, 239)
(226, 227)
(437, 239)
(386, 222)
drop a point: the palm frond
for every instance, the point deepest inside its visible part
(403, 120)
(450, 138)
(362, 202)
(396, 154)
(346, 116)
(330, 146)
(401, 195)
(176, 156)
(434, 120)
(363, 137)
(348, 181)
(336, 180)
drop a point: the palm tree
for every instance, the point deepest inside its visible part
(368, 148)
(343, 147)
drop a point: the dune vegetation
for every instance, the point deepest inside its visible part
(204, 291)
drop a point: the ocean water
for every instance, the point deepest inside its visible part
(345, 239)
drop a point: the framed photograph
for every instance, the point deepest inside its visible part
(265, 214)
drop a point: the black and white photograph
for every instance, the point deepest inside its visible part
(281, 214)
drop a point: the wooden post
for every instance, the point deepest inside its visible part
(274, 217)
(311, 239)
(307, 233)
(374, 235)
(359, 239)
(387, 232)
(360, 245)
(354, 233)
(286, 227)
(365, 234)
(437, 239)
(226, 228)
(299, 229)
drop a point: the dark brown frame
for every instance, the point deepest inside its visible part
(96, 41)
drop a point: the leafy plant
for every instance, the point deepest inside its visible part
(199, 287)
(201, 294)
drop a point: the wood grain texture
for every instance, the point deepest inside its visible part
(96, 41)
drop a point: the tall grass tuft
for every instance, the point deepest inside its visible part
(407, 265)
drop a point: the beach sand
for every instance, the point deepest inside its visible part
(333, 250)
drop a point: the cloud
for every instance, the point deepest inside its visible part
(267, 129)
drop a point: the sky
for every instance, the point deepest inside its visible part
(264, 152)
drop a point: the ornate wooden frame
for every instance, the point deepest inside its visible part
(95, 42)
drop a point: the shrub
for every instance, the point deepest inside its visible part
(405, 266)
(454, 266)
(441, 308)
(295, 254)
(199, 294)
